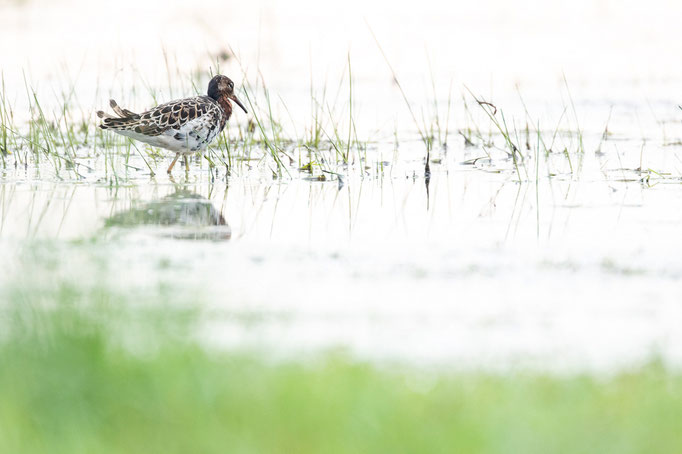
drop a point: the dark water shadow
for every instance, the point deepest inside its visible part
(182, 215)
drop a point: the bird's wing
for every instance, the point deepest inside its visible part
(156, 121)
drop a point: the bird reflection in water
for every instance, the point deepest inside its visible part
(182, 215)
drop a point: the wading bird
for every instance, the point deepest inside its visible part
(184, 126)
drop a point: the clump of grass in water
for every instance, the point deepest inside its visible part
(491, 111)
(5, 118)
(513, 142)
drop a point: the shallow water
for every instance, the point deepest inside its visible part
(562, 264)
(481, 271)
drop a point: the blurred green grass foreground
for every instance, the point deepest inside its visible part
(99, 378)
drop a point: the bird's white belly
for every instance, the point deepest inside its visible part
(190, 138)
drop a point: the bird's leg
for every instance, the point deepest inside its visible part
(186, 162)
(170, 169)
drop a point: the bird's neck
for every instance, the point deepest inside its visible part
(225, 103)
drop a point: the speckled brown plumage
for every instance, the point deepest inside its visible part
(171, 115)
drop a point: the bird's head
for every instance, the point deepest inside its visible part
(222, 87)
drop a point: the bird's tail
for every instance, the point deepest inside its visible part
(125, 119)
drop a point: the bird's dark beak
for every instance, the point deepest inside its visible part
(233, 97)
